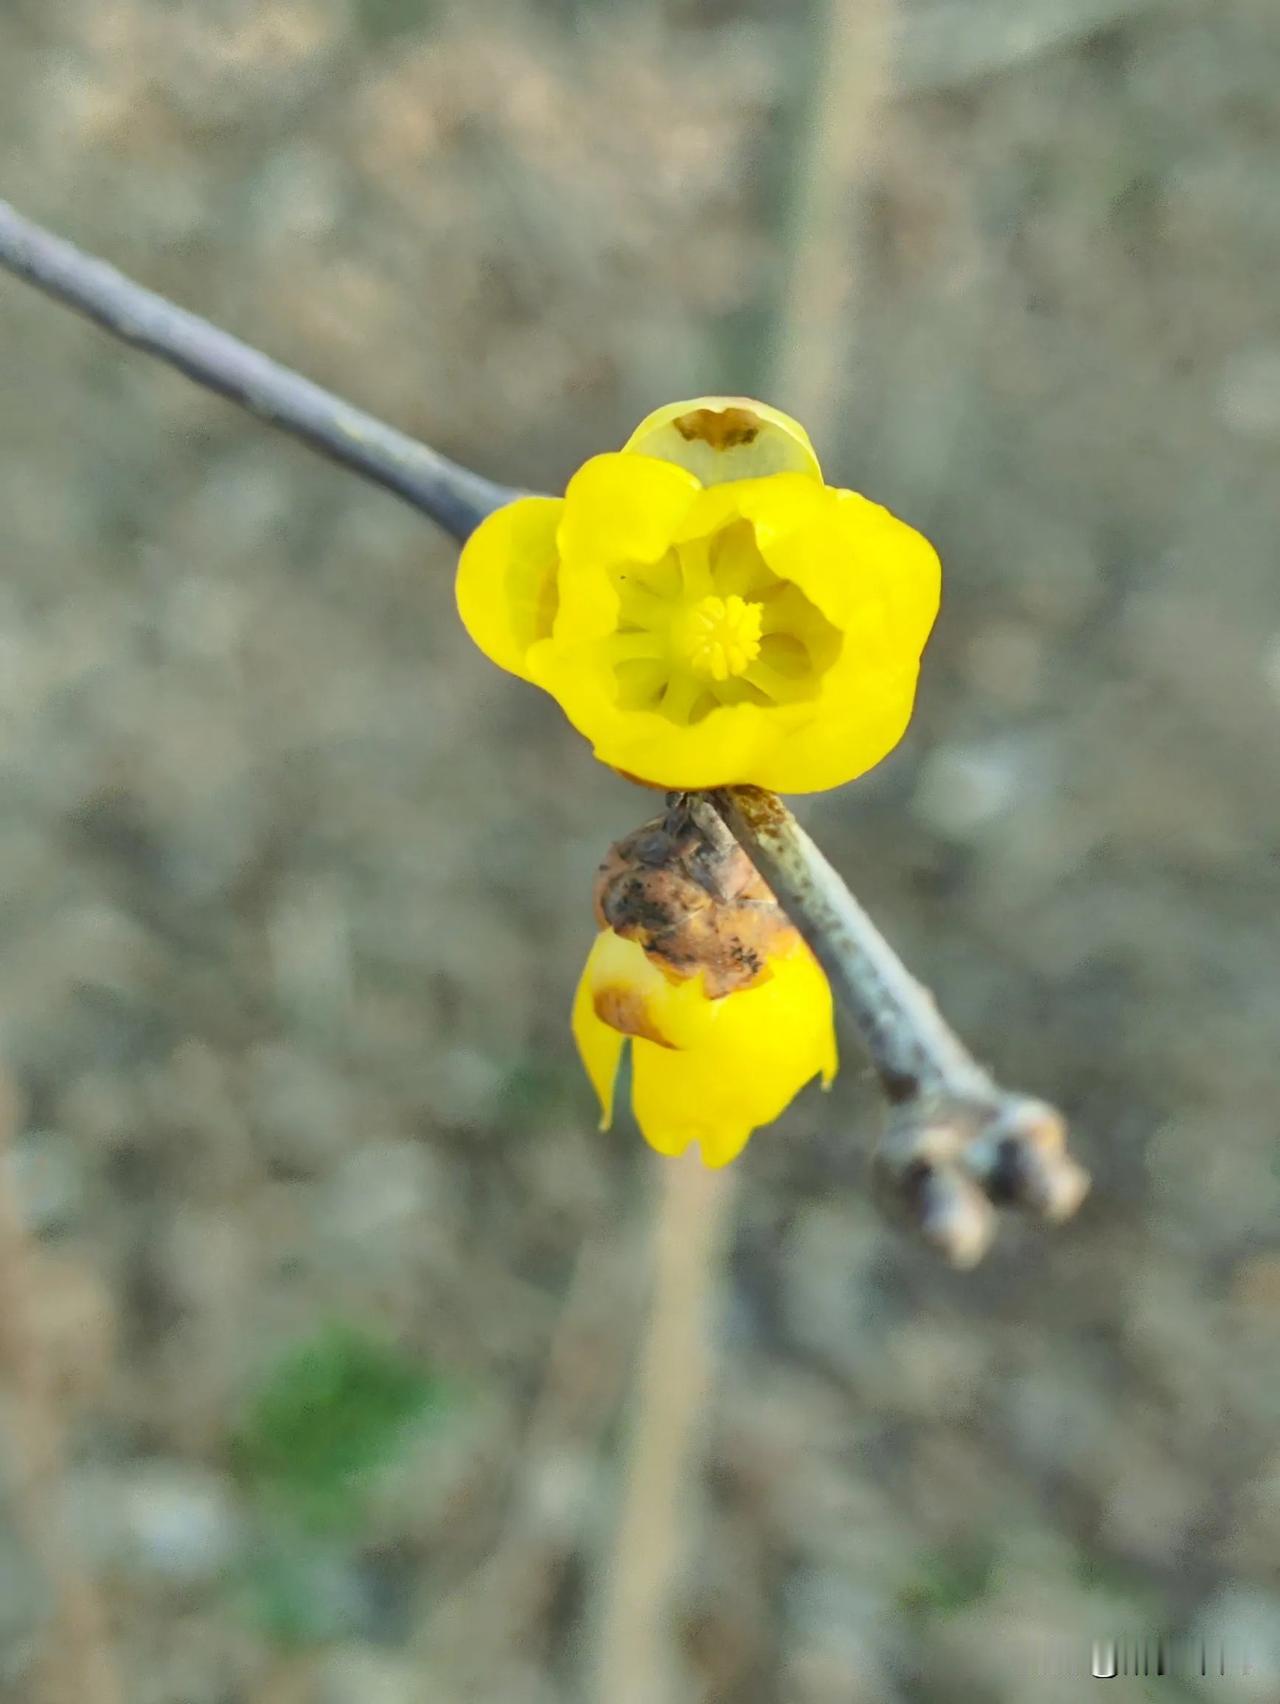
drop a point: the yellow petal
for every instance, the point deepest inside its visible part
(759, 1048)
(727, 746)
(721, 438)
(506, 582)
(599, 1046)
(855, 724)
(910, 570)
(620, 508)
(860, 565)
(777, 505)
(672, 1106)
(623, 979)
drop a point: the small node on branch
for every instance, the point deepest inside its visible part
(945, 1168)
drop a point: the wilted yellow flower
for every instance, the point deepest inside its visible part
(702, 1070)
(705, 610)
(728, 1013)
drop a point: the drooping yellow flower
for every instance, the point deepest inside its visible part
(705, 609)
(702, 1070)
(696, 963)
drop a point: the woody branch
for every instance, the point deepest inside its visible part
(956, 1144)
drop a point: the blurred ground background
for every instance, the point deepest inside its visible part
(295, 885)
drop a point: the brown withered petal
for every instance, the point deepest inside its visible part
(693, 903)
(624, 1010)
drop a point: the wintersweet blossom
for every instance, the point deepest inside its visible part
(706, 610)
(727, 1011)
(702, 1070)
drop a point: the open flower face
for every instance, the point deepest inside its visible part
(705, 1070)
(706, 611)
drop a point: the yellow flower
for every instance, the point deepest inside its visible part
(703, 1070)
(705, 610)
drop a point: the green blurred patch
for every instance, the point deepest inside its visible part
(536, 1089)
(949, 1579)
(1126, 1583)
(383, 20)
(298, 1595)
(328, 1417)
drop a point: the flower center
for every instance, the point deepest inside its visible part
(709, 625)
(720, 637)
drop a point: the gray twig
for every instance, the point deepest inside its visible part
(956, 1143)
(455, 498)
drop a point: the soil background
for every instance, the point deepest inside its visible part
(295, 886)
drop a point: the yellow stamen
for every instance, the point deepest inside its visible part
(721, 636)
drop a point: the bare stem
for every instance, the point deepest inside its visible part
(635, 1646)
(452, 496)
(956, 1143)
(914, 1050)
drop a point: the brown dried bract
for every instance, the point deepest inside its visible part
(693, 903)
